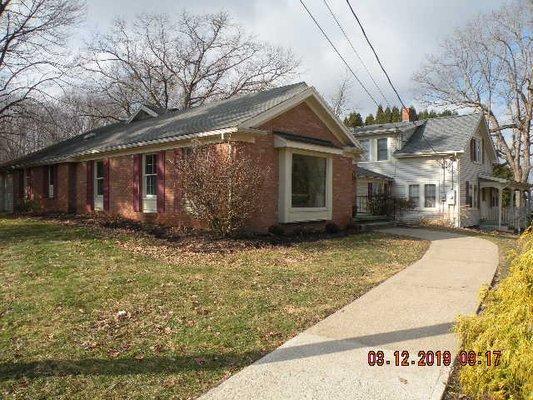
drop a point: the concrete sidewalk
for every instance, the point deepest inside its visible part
(414, 310)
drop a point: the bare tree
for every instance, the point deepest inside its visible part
(221, 186)
(339, 101)
(180, 63)
(487, 66)
(32, 41)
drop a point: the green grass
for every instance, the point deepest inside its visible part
(190, 319)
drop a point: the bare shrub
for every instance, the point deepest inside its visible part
(221, 186)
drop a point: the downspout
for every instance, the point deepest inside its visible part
(458, 195)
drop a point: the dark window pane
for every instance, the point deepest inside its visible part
(382, 149)
(149, 165)
(308, 181)
(151, 185)
(99, 187)
(99, 169)
(430, 195)
(414, 195)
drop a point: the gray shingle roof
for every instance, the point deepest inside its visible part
(217, 115)
(366, 173)
(442, 134)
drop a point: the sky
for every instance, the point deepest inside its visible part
(402, 32)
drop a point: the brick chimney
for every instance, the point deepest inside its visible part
(407, 115)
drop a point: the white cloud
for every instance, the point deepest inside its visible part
(402, 32)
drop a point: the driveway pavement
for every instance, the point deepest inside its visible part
(414, 310)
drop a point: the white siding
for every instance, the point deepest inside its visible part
(421, 171)
(470, 171)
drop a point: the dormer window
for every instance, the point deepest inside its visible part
(383, 151)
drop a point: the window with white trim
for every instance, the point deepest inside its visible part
(99, 178)
(149, 180)
(430, 195)
(414, 195)
(51, 181)
(383, 151)
(308, 181)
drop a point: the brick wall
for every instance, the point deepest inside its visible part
(301, 120)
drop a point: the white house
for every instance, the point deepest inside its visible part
(443, 165)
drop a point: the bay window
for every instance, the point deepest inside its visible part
(308, 181)
(305, 185)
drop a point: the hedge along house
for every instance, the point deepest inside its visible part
(129, 168)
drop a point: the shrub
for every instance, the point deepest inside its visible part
(222, 186)
(505, 324)
(28, 207)
(332, 227)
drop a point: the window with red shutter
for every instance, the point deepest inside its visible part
(136, 183)
(89, 201)
(161, 182)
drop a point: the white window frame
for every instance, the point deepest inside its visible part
(418, 206)
(149, 200)
(287, 213)
(423, 197)
(51, 186)
(377, 148)
(98, 198)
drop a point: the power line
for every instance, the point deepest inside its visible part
(355, 51)
(375, 54)
(338, 53)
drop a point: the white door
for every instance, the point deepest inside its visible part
(8, 193)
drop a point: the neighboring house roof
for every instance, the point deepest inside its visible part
(175, 125)
(435, 135)
(366, 173)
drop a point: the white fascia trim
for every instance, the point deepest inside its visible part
(280, 142)
(487, 131)
(424, 154)
(337, 120)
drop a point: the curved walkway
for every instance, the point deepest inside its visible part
(414, 310)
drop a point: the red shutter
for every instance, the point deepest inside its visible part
(136, 182)
(177, 191)
(30, 184)
(370, 189)
(55, 168)
(106, 184)
(89, 201)
(482, 151)
(160, 159)
(467, 194)
(472, 150)
(46, 183)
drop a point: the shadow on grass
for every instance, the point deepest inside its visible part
(125, 366)
(209, 361)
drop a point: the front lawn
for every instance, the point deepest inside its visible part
(93, 313)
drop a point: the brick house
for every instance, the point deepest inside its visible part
(128, 168)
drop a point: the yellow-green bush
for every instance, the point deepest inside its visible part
(505, 324)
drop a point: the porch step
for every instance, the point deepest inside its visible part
(374, 225)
